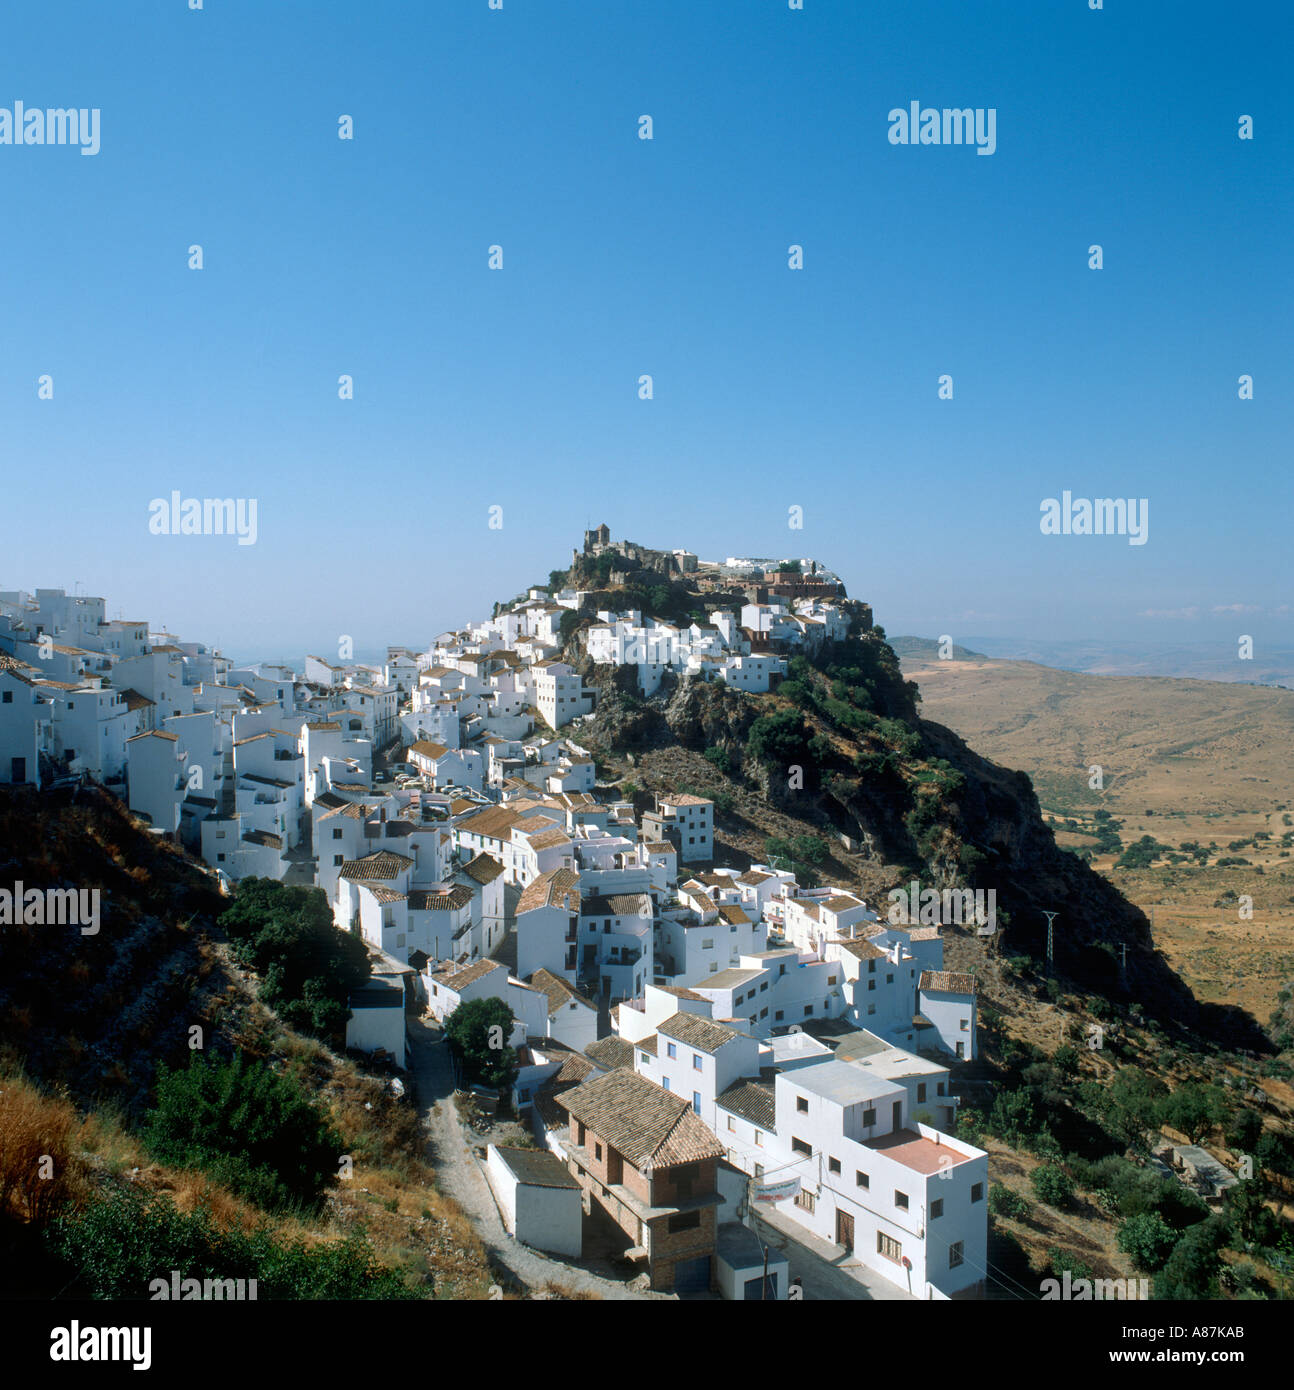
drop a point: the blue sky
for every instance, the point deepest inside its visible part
(773, 387)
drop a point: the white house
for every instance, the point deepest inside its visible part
(540, 1202)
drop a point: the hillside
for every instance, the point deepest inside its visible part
(85, 1022)
(1184, 762)
(909, 793)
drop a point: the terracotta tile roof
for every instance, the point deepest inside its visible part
(842, 902)
(924, 934)
(458, 978)
(556, 888)
(948, 980)
(864, 950)
(732, 914)
(494, 823)
(617, 905)
(559, 992)
(484, 869)
(685, 799)
(328, 726)
(385, 895)
(611, 1053)
(697, 1032)
(752, 878)
(434, 751)
(374, 867)
(440, 900)
(753, 1101)
(263, 837)
(134, 700)
(680, 993)
(151, 733)
(549, 839)
(651, 1127)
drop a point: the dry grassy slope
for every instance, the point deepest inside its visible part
(1172, 745)
(1212, 763)
(90, 1017)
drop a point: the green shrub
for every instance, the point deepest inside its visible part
(1002, 1201)
(1147, 1239)
(720, 758)
(247, 1127)
(1052, 1185)
(117, 1245)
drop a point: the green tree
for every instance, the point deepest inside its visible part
(778, 740)
(811, 848)
(1191, 1271)
(720, 758)
(307, 968)
(1244, 1130)
(478, 1033)
(1195, 1109)
(1148, 1239)
(1052, 1185)
(247, 1126)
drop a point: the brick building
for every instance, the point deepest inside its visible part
(651, 1164)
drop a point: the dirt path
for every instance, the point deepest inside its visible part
(459, 1176)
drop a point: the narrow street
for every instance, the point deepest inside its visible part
(458, 1176)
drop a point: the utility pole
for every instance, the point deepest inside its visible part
(1051, 917)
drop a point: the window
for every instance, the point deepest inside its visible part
(336, 834)
(645, 1056)
(869, 1117)
(808, 1009)
(889, 979)
(861, 1179)
(889, 1247)
(597, 1150)
(871, 969)
(759, 1139)
(696, 1061)
(714, 968)
(939, 1088)
(763, 1013)
(732, 1125)
(833, 1164)
(759, 1171)
(684, 1221)
(763, 987)
(954, 1254)
(871, 984)
(936, 1208)
(965, 1025)
(338, 860)
(977, 1192)
(671, 1050)
(871, 1008)
(806, 1200)
(777, 1017)
(798, 1146)
(708, 945)
(802, 1105)
(900, 1200)
(8, 697)
(921, 1090)
(664, 1081)
(580, 1134)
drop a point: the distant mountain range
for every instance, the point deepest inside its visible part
(1206, 661)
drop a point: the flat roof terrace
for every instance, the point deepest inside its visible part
(915, 1151)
